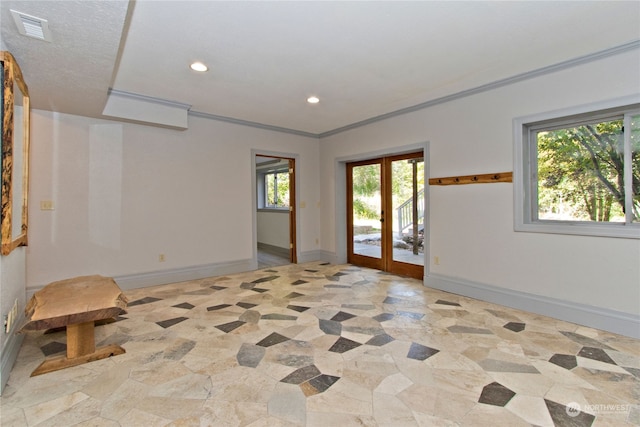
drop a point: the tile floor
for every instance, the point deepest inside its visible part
(268, 259)
(325, 345)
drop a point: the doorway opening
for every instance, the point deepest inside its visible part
(386, 214)
(275, 213)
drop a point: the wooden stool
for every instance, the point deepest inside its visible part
(76, 303)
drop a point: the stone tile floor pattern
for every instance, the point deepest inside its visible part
(325, 345)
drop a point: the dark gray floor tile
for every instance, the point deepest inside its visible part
(301, 375)
(273, 339)
(421, 352)
(228, 327)
(566, 361)
(184, 305)
(246, 305)
(170, 322)
(380, 340)
(321, 383)
(596, 354)
(53, 348)
(443, 302)
(515, 326)
(341, 316)
(383, 317)
(294, 295)
(297, 308)
(265, 279)
(141, 301)
(343, 345)
(218, 307)
(496, 394)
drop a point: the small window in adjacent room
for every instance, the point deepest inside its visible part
(578, 172)
(276, 189)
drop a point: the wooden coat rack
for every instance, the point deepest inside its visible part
(487, 178)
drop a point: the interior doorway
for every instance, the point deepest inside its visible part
(386, 214)
(276, 214)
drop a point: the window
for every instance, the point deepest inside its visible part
(578, 172)
(276, 189)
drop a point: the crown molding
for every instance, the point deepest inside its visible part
(252, 124)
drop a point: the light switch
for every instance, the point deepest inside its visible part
(46, 205)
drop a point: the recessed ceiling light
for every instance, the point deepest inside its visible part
(313, 100)
(198, 66)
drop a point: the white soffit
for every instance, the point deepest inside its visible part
(139, 108)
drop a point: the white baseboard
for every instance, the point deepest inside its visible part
(310, 256)
(595, 317)
(283, 252)
(10, 353)
(330, 257)
(162, 277)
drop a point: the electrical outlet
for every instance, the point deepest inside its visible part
(10, 318)
(436, 260)
(161, 258)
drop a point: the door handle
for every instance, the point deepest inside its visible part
(381, 219)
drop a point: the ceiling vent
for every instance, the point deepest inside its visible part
(31, 26)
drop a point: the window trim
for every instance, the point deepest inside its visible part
(524, 171)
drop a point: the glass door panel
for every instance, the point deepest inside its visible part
(407, 210)
(365, 210)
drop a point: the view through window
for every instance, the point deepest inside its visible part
(277, 189)
(582, 172)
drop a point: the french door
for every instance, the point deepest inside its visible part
(385, 208)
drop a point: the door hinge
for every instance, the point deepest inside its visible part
(290, 245)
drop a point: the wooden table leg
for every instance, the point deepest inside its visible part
(81, 348)
(80, 339)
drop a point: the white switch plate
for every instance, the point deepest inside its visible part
(46, 205)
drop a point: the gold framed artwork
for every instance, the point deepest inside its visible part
(15, 155)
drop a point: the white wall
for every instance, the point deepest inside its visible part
(125, 193)
(12, 288)
(471, 227)
(273, 228)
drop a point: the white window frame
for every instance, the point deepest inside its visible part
(525, 178)
(266, 197)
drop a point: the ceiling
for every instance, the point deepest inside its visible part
(363, 60)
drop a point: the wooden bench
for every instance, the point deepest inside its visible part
(76, 304)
